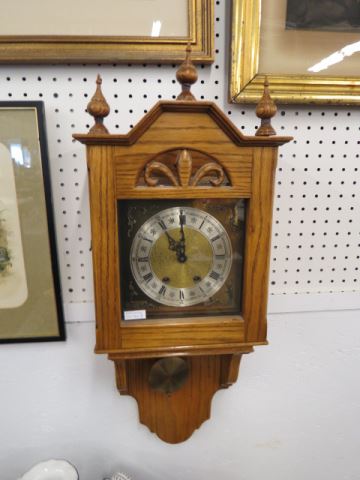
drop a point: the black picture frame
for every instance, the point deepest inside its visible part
(40, 317)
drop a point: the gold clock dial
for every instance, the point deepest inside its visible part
(165, 263)
(181, 256)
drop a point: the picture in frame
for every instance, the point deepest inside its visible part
(30, 295)
(111, 31)
(302, 65)
(337, 15)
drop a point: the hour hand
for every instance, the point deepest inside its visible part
(173, 244)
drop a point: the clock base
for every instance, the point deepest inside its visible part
(174, 417)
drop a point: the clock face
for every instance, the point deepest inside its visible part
(181, 256)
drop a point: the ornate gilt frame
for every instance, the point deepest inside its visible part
(118, 49)
(246, 82)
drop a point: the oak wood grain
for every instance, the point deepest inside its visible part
(180, 107)
(104, 247)
(175, 417)
(213, 345)
(257, 244)
(175, 335)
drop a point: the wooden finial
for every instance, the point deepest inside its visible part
(265, 110)
(186, 76)
(99, 109)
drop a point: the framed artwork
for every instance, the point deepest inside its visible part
(310, 51)
(333, 15)
(111, 31)
(30, 296)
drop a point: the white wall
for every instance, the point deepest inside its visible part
(293, 414)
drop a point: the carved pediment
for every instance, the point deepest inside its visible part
(183, 167)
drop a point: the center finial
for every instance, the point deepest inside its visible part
(187, 75)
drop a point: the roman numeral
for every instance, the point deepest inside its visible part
(214, 275)
(162, 224)
(215, 238)
(143, 259)
(147, 239)
(202, 223)
(181, 294)
(182, 218)
(219, 257)
(202, 291)
(162, 290)
(148, 277)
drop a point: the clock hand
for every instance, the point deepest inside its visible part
(173, 244)
(180, 252)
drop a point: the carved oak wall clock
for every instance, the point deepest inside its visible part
(181, 211)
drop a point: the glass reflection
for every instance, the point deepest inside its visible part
(21, 156)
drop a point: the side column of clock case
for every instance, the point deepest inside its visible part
(121, 168)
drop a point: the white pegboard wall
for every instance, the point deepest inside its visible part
(316, 233)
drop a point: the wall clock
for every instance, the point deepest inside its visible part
(181, 211)
(182, 256)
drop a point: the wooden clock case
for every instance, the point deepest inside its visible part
(127, 167)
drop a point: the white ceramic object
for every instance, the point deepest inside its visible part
(51, 470)
(120, 476)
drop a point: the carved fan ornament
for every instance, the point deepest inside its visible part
(183, 167)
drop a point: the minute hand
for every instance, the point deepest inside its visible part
(181, 244)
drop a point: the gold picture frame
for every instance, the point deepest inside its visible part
(246, 81)
(44, 48)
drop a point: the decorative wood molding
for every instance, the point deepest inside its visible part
(184, 171)
(186, 75)
(121, 377)
(265, 110)
(205, 170)
(161, 107)
(99, 109)
(184, 167)
(230, 365)
(158, 167)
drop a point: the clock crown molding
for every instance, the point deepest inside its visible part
(200, 107)
(265, 135)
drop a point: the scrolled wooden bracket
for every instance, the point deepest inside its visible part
(99, 109)
(121, 377)
(265, 110)
(175, 416)
(230, 365)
